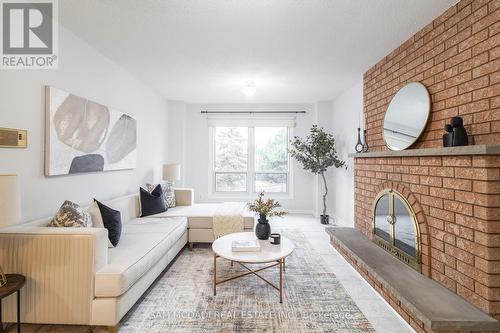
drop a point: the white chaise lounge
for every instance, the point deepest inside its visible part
(200, 217)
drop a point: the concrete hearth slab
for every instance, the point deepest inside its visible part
(437, 307)
(448, 151)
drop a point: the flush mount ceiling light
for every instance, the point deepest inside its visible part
(248, 88)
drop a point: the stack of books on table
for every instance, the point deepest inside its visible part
(246, 246)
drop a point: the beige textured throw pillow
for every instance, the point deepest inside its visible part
(168, 194)
(71, 215)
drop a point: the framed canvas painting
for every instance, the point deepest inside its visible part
(84, 136)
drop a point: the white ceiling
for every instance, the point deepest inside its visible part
(201, 51)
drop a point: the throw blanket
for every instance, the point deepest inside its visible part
(228, 218)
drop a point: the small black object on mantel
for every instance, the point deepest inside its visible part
(359, 145)
(456, 134)
(365, 143)
(448, 136)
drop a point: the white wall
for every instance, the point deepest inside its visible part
(85, 72)
(346, 109)
(176, 138)
(195, 153)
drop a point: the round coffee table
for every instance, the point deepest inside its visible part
(269, 253)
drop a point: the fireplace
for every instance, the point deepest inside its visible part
(395, 227)
(427, 219)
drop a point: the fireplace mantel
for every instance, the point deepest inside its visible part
(450, 151)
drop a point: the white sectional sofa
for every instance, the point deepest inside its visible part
(72, 276)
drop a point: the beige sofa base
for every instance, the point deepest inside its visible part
(200, 228)
(200, 218)
(204, 236)
(108, 311)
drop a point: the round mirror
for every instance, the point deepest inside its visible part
(406, 116)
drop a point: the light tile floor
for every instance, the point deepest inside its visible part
(383, 318)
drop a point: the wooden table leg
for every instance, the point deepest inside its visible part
(19, 311)
(215, 275)
(281, 280)
(1, 322)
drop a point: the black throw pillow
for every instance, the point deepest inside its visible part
(112, 220)
(152, 203)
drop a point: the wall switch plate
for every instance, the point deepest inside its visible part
(13, 138)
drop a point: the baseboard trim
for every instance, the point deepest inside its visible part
(300, 211)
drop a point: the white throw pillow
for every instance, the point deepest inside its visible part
(96, 216)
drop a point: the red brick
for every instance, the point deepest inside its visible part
(486, 69)
(475, 84)
(473, 297)
(473, 40)
(457, 161)
(459, 278)
(486, 161)
(431, 181)
(457, 184)
(474, 107)
(442, 214)
(485, 22)
(414, 179)
(441, 171)
(486, 187)
(419, 170)
(441, 193)
(464, 173)
(458, 207)
(491, 91)
(476, 223)
(460, 254)
(434, 161)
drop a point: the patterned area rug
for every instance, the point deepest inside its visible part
(182, 299)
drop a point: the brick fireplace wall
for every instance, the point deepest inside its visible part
(457, 203)
(456, 198)
(457, 57)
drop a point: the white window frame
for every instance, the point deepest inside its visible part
(250, 193)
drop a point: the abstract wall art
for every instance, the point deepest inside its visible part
(85, 136)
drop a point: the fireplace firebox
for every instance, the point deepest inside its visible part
(395, 227)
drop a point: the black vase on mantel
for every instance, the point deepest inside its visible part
(263, 229)
(456, 134)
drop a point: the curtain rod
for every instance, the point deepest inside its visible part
(252, 112)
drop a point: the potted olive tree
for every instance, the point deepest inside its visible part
(317, 153)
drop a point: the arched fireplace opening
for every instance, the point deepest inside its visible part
(395, 227)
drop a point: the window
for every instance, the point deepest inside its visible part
(231, 159)
(271, 159)
(250, 159)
